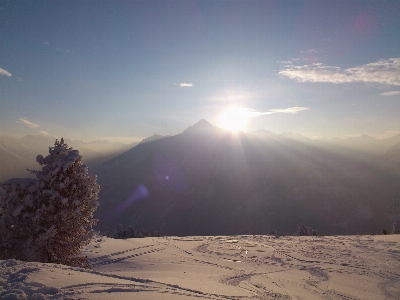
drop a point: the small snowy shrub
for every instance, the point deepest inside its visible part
(303, 230)
(396, 227)
(50, 218)
(273, 233)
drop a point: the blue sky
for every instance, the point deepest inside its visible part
(124, 70)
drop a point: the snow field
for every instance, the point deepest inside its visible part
(217, 267)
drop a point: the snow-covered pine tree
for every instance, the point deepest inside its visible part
(118, 231)
(50, 219)
(396, 227)
(131, 232)
(145, 233)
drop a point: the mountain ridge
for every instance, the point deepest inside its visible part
(206, 180)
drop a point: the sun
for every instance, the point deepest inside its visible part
(233, 119)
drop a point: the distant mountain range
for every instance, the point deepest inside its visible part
(19, 154)
(208, 181)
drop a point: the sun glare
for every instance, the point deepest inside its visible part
(233, 119)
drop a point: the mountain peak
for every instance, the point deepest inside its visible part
(202, 125)
(362, 137)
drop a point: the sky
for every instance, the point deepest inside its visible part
(125, 70)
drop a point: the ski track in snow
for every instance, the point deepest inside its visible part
(217, 267)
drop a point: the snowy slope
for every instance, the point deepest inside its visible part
(217, 267)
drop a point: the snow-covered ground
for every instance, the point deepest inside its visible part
(217, 267)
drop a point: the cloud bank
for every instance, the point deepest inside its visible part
(28, 123)
(5, 73)
(384, 71)
(391, 93)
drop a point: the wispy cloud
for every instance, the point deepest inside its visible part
(61, 50)
(310, 51)
(392, 131)
(5, 73)
(391, 93)
(352, 135)
(384, 71)
(28, 123)
(186, 84)
(291, 110)
(58, 49)
(44, 133)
